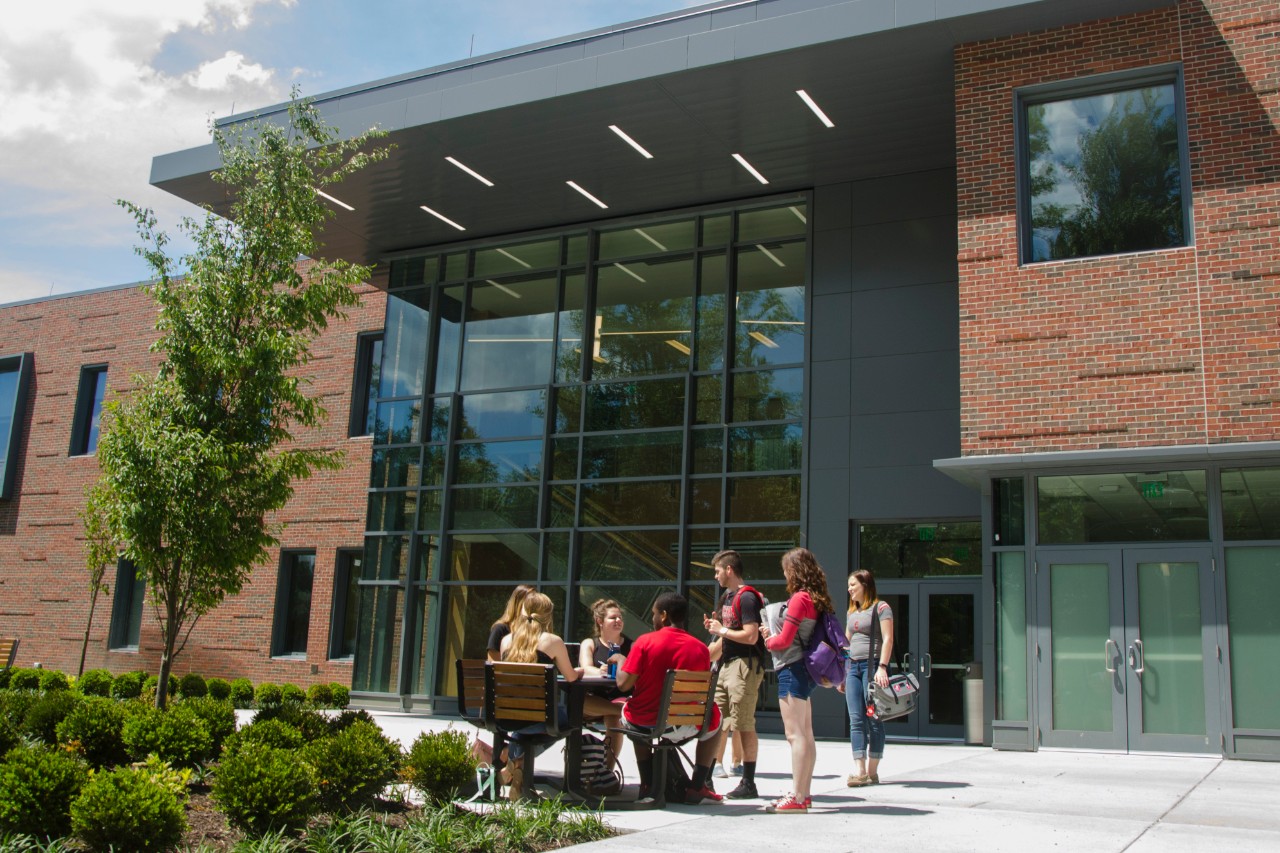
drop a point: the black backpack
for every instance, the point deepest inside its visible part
(678, 779)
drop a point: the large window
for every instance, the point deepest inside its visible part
(345, 619)
(364, 390)
(293, 603)
(1103, 168)
(1152, 506)
(84, 428)
(126, 608)
(15, 374)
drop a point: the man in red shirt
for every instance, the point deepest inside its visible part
(669, 646)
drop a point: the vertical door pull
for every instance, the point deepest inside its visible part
(927, 669)
(1108, 657)
(1141, 656)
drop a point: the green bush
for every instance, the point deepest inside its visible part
(242, 693)
(320, 695)
(219, 688)
(176, 734)
(5, 675)
(151, 684)
(192, 685)
(352, 767)
(128, 809)
(341, 695)
(276, 734)
(267, 694)
(262, 789)
(37, 785)
(127, 685)
(218, 715)
(9, 737)
(22, 678)
(311, 723)
(338, 722)
(439, 763)
(14, 705)
(50, 709)
(95, 682)
(93, 729)
(52, 679)
(292, 693)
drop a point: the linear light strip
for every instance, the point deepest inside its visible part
(817, 110)
(472, 172)
(504, 289)
(742, 161)
(507, 254)
(324, 194)
(588, 196)
(804, 220)
(629, 272)
(627, 139)
(446, 220)
(645, 234)
(770, 255)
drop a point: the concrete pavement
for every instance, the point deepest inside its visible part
(957, 798)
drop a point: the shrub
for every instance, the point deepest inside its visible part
(52, 679)
(95, 682)
(192, 685)
(262, 789)
(267, 694)
(312, 724)
(242, 693)
(176, 734)
(14, 705)
(219, 688)
(353, 766)
(50, 709)
(37, 786)
(5, 675)
(24, 679)
(127, 685)
(128, 809)
(341, 695)
(276, 734)
(292, 693)
(340, 721)
(151, 684)
(9, 737)
(218, 715)
(93, 729)
(320, 695)
(439, 763)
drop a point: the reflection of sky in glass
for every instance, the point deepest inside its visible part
(404, 348)
(504, 415)
(8, 400)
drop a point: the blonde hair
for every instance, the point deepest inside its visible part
(869, 596)
(804, 573)
(535, 620)
(514, 606)
(599, 610)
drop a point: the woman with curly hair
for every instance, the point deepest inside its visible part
(809, 599)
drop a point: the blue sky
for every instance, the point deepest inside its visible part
(90, 91)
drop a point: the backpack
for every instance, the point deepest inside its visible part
(761, 652)
(825, 656)
(678, 780)
(598, 773)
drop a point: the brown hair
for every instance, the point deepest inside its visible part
(535, 620)
(730, 560)
(803, 573)
(599, 610)
(514, 607)
(869, 595)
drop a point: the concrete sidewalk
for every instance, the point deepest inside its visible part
(951, 797)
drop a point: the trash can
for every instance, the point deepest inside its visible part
(973, 702)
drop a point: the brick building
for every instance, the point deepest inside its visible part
(979, 296)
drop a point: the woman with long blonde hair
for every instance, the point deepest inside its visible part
(809, 599)
(502, 627)
(866, 733)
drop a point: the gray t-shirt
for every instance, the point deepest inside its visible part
(858, 629)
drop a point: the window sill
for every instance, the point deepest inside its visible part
(295, 656)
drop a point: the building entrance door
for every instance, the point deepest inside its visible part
(936, 635)
(1125, 651)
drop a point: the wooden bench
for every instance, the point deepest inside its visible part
(8, 651)
(519, 696)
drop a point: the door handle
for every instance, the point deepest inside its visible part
(927, 669)
(906, 661)
(1138, 657)
(1107, 656)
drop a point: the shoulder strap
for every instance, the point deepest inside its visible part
(874, 653)
(737, 601)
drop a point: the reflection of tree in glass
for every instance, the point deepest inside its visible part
(1128, 178)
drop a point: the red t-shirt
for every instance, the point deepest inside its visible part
(651, 656)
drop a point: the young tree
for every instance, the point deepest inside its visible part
(194, 459)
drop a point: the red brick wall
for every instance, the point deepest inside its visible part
(1155, 348)
(44, 597)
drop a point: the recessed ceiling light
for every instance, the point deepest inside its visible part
(817, 110)
(629, 272)
(472, 172)
(504, 289)
(799, 215)
(324, 194)
(627, 139)
(446, 220)
(763, 338)
(507, 254)
(770, 255)
(674, 344)
(645, 234)
(742, 161)
(588, 195)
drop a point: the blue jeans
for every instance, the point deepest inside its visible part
(516, 739)
(863, 730)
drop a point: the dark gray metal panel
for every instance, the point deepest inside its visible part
(624, 66)
(354, 122)
(907, 492)
(829, 389)
(829, 442)
(667, 30)
(733, 17)
(710, 48)
(830, 541)
(832, 262)
(912, 382)
(829, 495)
(910, 251)
(902, 439)
(830, 327)
(922, 318)
(914, 196)
(832, 207)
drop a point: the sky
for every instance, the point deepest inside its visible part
(90, 91)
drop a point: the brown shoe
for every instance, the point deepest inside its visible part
(856, 781)
(515, 781)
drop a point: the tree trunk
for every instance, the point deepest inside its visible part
(166, 656)
(88, 626)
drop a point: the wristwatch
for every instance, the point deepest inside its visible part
(724, 630)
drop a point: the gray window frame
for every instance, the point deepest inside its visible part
(364, 390)
(285, 580)
(344, 572)
(84, 422)
(16, 409)
(126, 609)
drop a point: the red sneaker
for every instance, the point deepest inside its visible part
(693, 796)
(789, 805)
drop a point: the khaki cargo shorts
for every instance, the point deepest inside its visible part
(737, 691)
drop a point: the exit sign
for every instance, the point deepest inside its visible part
(1153, 489)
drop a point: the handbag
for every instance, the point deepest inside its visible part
(902, 694)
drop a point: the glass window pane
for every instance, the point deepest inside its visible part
(397, 423)
(1162, 506)
(770, 304)
(568, 409)
(293, 610)
(636, 603)
(346, 610)
(1251, 503)
(575, 251)
(386, 558)
(708, 451)
(768, 395)
(94, 413)
(764, 448)
(412, 272)
(564, 458)
(441, 409)
(509, 414)
(430, 509)
(422, 646)
(709, 405)
(449, 338)
(494, 557)
(644, 318)
(1079, 614)
(492, 508)
(1253, 623)
(648, 454)
(764, 499)
(517, 257)
(564, 505)
(509, 333)
(469, 613)
(455, 266)
(703, 545)
(762, 549)
(630, 555)
(1011, 636)
(396, 467)
(647, 239)
(377, 664)
(1009, 496)
(650, 404)
(1169, 624)
(626, 504)
(570, 329)
(921, 549)
(404, 344)
(392, 511)
(498, 462)
(715, 230)
(705, 501)
(713, 289)
(786, 221)
(1104, 174)
(9, 376)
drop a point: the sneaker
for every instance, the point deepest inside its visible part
(745, 791)
(721, 772)
(736, 770)
(693, 796)
(856, 781)
(789, 805)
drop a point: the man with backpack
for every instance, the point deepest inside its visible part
(737, 645)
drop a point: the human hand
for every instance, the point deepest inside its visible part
(617, 657)
(882, 677)
(713, 626)
(764, 631)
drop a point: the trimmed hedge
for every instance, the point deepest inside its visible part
(129, 809)
(37, 786)
(262, 789)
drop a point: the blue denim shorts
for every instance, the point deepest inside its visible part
(794, 680)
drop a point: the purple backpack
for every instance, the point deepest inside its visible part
(825, 657)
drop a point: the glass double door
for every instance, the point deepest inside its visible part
(936, 635)
(1126, 653)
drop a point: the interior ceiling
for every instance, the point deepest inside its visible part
(890, 96)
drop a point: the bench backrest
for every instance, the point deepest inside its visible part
(8, 651)
(471, 691)
(521, 694)
(686, 699)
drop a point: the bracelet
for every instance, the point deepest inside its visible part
(884, 666)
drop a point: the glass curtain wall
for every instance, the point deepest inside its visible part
(595, 413)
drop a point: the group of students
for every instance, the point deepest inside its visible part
(743, 645)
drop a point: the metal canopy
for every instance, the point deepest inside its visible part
(693, 88)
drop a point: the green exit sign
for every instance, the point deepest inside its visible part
(1153, 489)
(927, 534)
